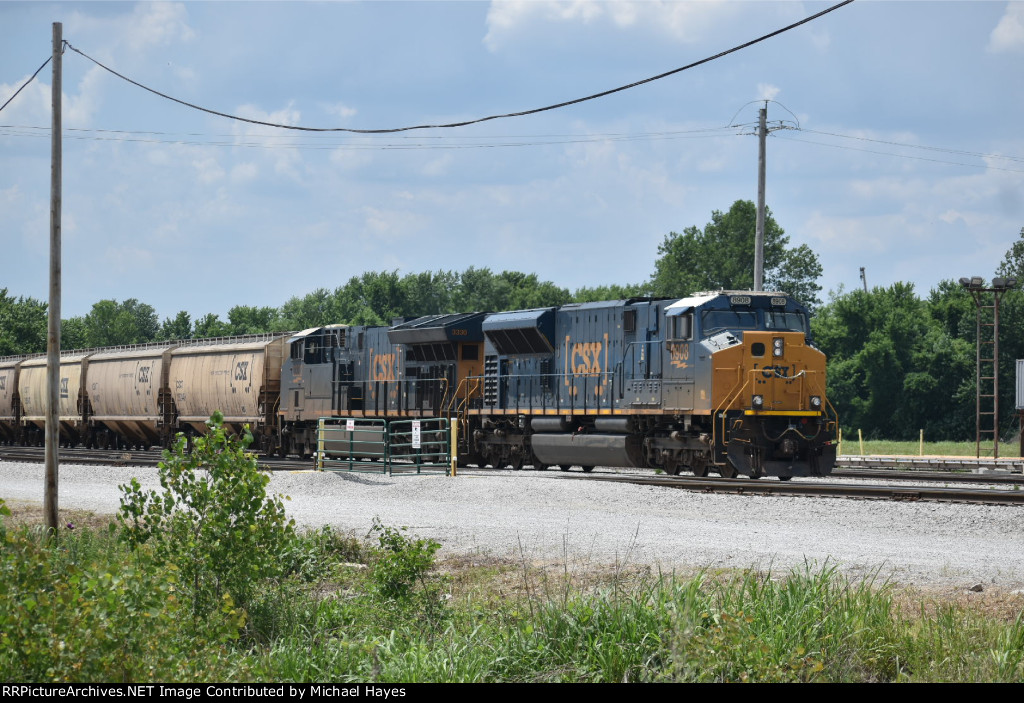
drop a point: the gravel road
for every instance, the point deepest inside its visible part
(546, 519)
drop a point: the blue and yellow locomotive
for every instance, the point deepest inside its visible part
(721, 381)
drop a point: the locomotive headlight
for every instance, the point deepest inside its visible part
(757, 402)
(777, 346)
(815, 402)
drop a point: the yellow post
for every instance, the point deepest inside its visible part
(839, 449)
(920, 449)
(455, 447)
(319, 445)
(860, 438)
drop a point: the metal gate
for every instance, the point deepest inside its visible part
(361, 445)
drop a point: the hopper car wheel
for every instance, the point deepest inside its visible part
(699, 469)
(587, 469)
(785, 478)
(561, 467)
(517, 463)
(541, 467)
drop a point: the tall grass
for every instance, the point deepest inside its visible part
(88, 610)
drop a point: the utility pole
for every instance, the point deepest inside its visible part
(864, 279)
(762, 134)
(53, 321)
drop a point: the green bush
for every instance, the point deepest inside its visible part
(212, 521)
(98, 619)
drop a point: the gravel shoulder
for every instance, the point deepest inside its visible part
(547, 520)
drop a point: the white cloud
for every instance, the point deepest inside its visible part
(287, 160)
(682, 21)
(148, 25)
(208, 170)
(1009, 33)
(767, 91)
(340, 110)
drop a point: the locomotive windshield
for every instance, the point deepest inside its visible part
(785, 321)
(715, 321)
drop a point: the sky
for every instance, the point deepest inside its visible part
(898, 148)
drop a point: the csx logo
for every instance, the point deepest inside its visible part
(242, 371)
(586, 357)
(143, 374)
(776, 371)
(382, 367)
(64, 388)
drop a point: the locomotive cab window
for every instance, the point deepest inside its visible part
(681, 327)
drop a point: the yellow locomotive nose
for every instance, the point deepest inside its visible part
(781, 373)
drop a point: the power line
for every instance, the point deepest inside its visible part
(906, 156)
(31, 78)
(481, 119)
(914, 146)
(407, 143)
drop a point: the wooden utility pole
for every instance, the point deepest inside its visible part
(53, 323)
(762, 133)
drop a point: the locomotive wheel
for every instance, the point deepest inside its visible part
(517, 463)
(699, 468)
(541, 467)
(561, 468)
(727, 470)
(785, 478)
(671, 466)
(587, 469)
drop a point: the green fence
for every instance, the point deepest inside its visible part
(361, 445)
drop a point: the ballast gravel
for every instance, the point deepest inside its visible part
(547, 519)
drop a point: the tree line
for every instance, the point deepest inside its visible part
(898, 363)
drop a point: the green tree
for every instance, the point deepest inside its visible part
(110, 323)
(210, 325)
(73, 333)
(893, 369)
(315, 309)
(1013, 262)
(722, 256)
(611, 292)
(246, 319)
(178, 328)
(22, 325)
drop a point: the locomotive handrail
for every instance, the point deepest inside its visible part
(728, 401)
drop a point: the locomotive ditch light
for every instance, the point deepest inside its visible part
(778, 346)
(815, 402)
(757, 402)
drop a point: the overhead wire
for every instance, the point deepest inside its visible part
(464, 123)
(23, 85)
(903, 156)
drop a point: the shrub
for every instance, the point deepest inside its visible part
(212, 520)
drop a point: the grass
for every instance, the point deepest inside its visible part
(338, 616)
(851, 446)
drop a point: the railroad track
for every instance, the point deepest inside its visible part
(943, 494)
(736, 486)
